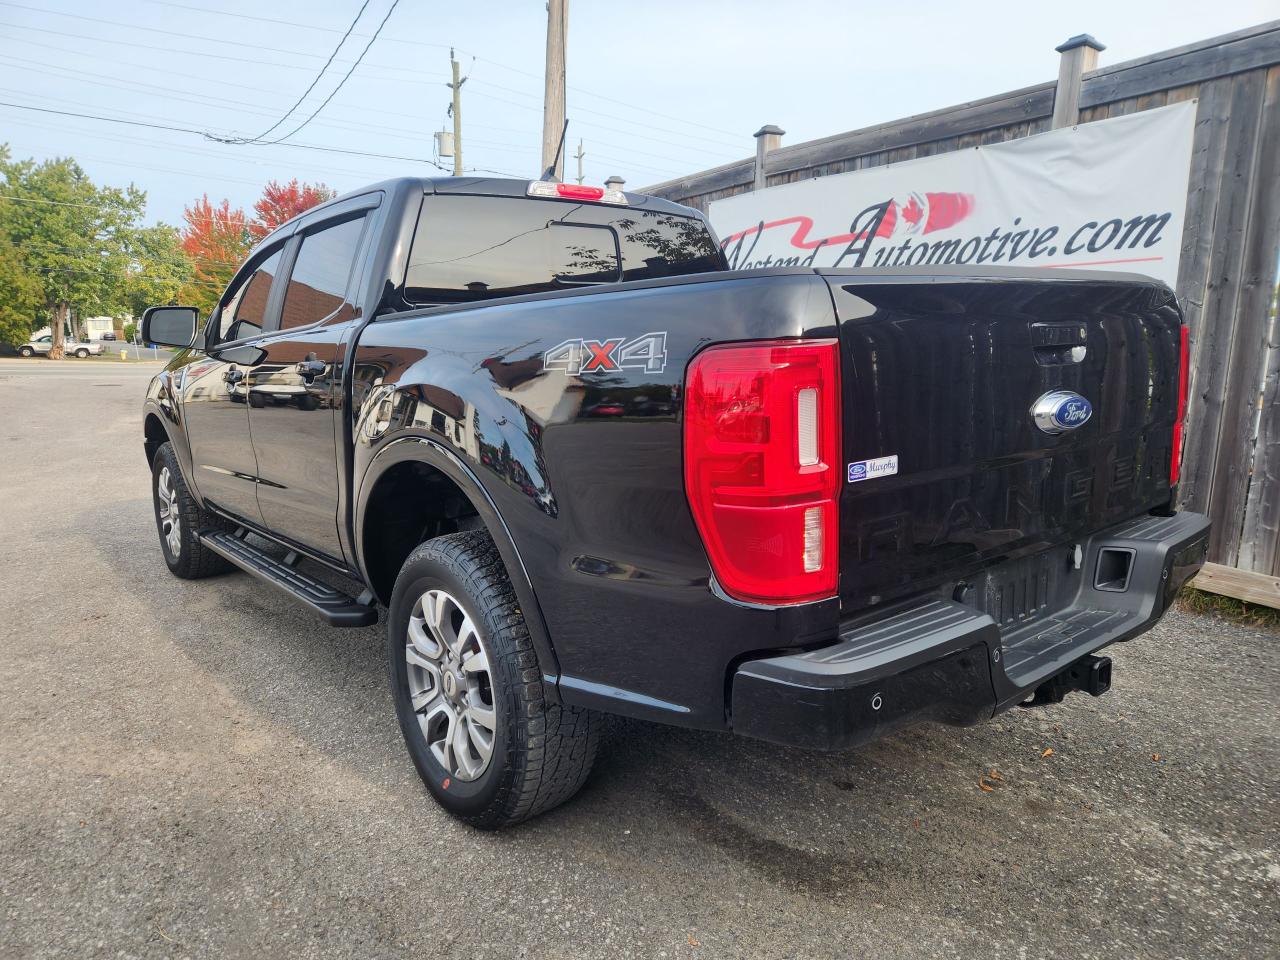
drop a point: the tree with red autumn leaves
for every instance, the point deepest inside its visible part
(215, 239)
(281, 202)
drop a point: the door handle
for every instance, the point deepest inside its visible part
(232, 376)
(311, 368)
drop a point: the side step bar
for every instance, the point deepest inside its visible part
(340, 609)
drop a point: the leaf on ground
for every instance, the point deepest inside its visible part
(694, 941)
(983, 785)
(1155, 758)
(1048, 752)
(994, 774)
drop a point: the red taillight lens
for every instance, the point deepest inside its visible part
(1175, 467)
(761, 466)
(575, 191)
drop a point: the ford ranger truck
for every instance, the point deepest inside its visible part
(580, 467)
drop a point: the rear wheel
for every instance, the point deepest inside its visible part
(82, 354)
(26, 351)
(179, 518)
(468, 691)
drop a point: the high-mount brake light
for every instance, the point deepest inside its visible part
(762, 466)
(575, 191)
(1179, 425)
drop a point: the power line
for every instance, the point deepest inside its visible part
(297, 53)
(423, 43)
(347, 76)
(313, 83)
(201, 133)
(183, 96)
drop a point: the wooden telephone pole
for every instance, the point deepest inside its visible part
(456, 86)
(553, 93)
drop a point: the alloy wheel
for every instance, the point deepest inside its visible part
(450, 684)
(170, 521)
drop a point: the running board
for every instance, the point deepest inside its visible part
(340, 609)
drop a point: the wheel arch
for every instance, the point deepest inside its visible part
(154, 435)
(380, 523)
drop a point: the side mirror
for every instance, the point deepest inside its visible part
(170, 326)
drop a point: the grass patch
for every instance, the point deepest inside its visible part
(1192, 600)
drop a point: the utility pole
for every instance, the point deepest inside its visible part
(579, 155)
(456, 86)
(553, 92)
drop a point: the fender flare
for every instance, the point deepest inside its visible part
(426, 451)
(153, 407)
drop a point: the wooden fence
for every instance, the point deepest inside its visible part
(1229, 274)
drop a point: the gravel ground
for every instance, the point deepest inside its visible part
(201, 769)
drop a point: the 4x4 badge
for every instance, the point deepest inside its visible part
(647, 352)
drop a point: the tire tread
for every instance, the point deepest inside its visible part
(557, 743)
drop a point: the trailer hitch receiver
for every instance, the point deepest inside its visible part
(1090, 674)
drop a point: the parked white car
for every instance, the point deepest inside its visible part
(45, 344)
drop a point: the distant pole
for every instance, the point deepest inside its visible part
(579, 155)
(553, 92)
(456, 86)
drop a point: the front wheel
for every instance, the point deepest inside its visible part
(179, 518)
(468, 691)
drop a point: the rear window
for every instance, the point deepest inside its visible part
(478, 248)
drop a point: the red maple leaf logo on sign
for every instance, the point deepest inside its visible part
(912, 212)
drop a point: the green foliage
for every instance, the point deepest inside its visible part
(157, 270)
(130, 332)
(73, 247)
(21, 297)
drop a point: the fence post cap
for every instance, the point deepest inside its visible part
(1080, 40)
(769, 128)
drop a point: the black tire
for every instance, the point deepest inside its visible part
(26, 351)
(82, 354)
(542, 752)
(192, 559)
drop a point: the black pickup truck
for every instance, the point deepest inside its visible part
(587, 469)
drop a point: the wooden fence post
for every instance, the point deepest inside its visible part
(768, 137)
(1079, 56)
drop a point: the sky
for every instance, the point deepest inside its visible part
(656, 90)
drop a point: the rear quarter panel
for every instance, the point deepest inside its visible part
(585, 469)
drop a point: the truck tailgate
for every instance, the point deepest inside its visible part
(948, 469)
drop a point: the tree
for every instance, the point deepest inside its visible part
(281, 203)
(20, 296)
(215, 240)
(70, 236)
(158, 268)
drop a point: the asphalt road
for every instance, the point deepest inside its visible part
(200, 769)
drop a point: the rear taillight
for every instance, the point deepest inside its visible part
(761, 466)
(1175, 466)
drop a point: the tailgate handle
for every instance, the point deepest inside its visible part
(1059, 343)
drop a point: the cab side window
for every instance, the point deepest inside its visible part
(318, 283)
(245, 313)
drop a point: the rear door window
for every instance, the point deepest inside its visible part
(318, 282)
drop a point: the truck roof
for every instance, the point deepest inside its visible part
(500, 187)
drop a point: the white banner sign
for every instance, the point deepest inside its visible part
(1108, 195)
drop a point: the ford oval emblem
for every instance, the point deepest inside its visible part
(1061, 410)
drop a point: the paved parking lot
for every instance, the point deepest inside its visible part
(200, 769)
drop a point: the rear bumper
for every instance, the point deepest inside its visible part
(1020, 624)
